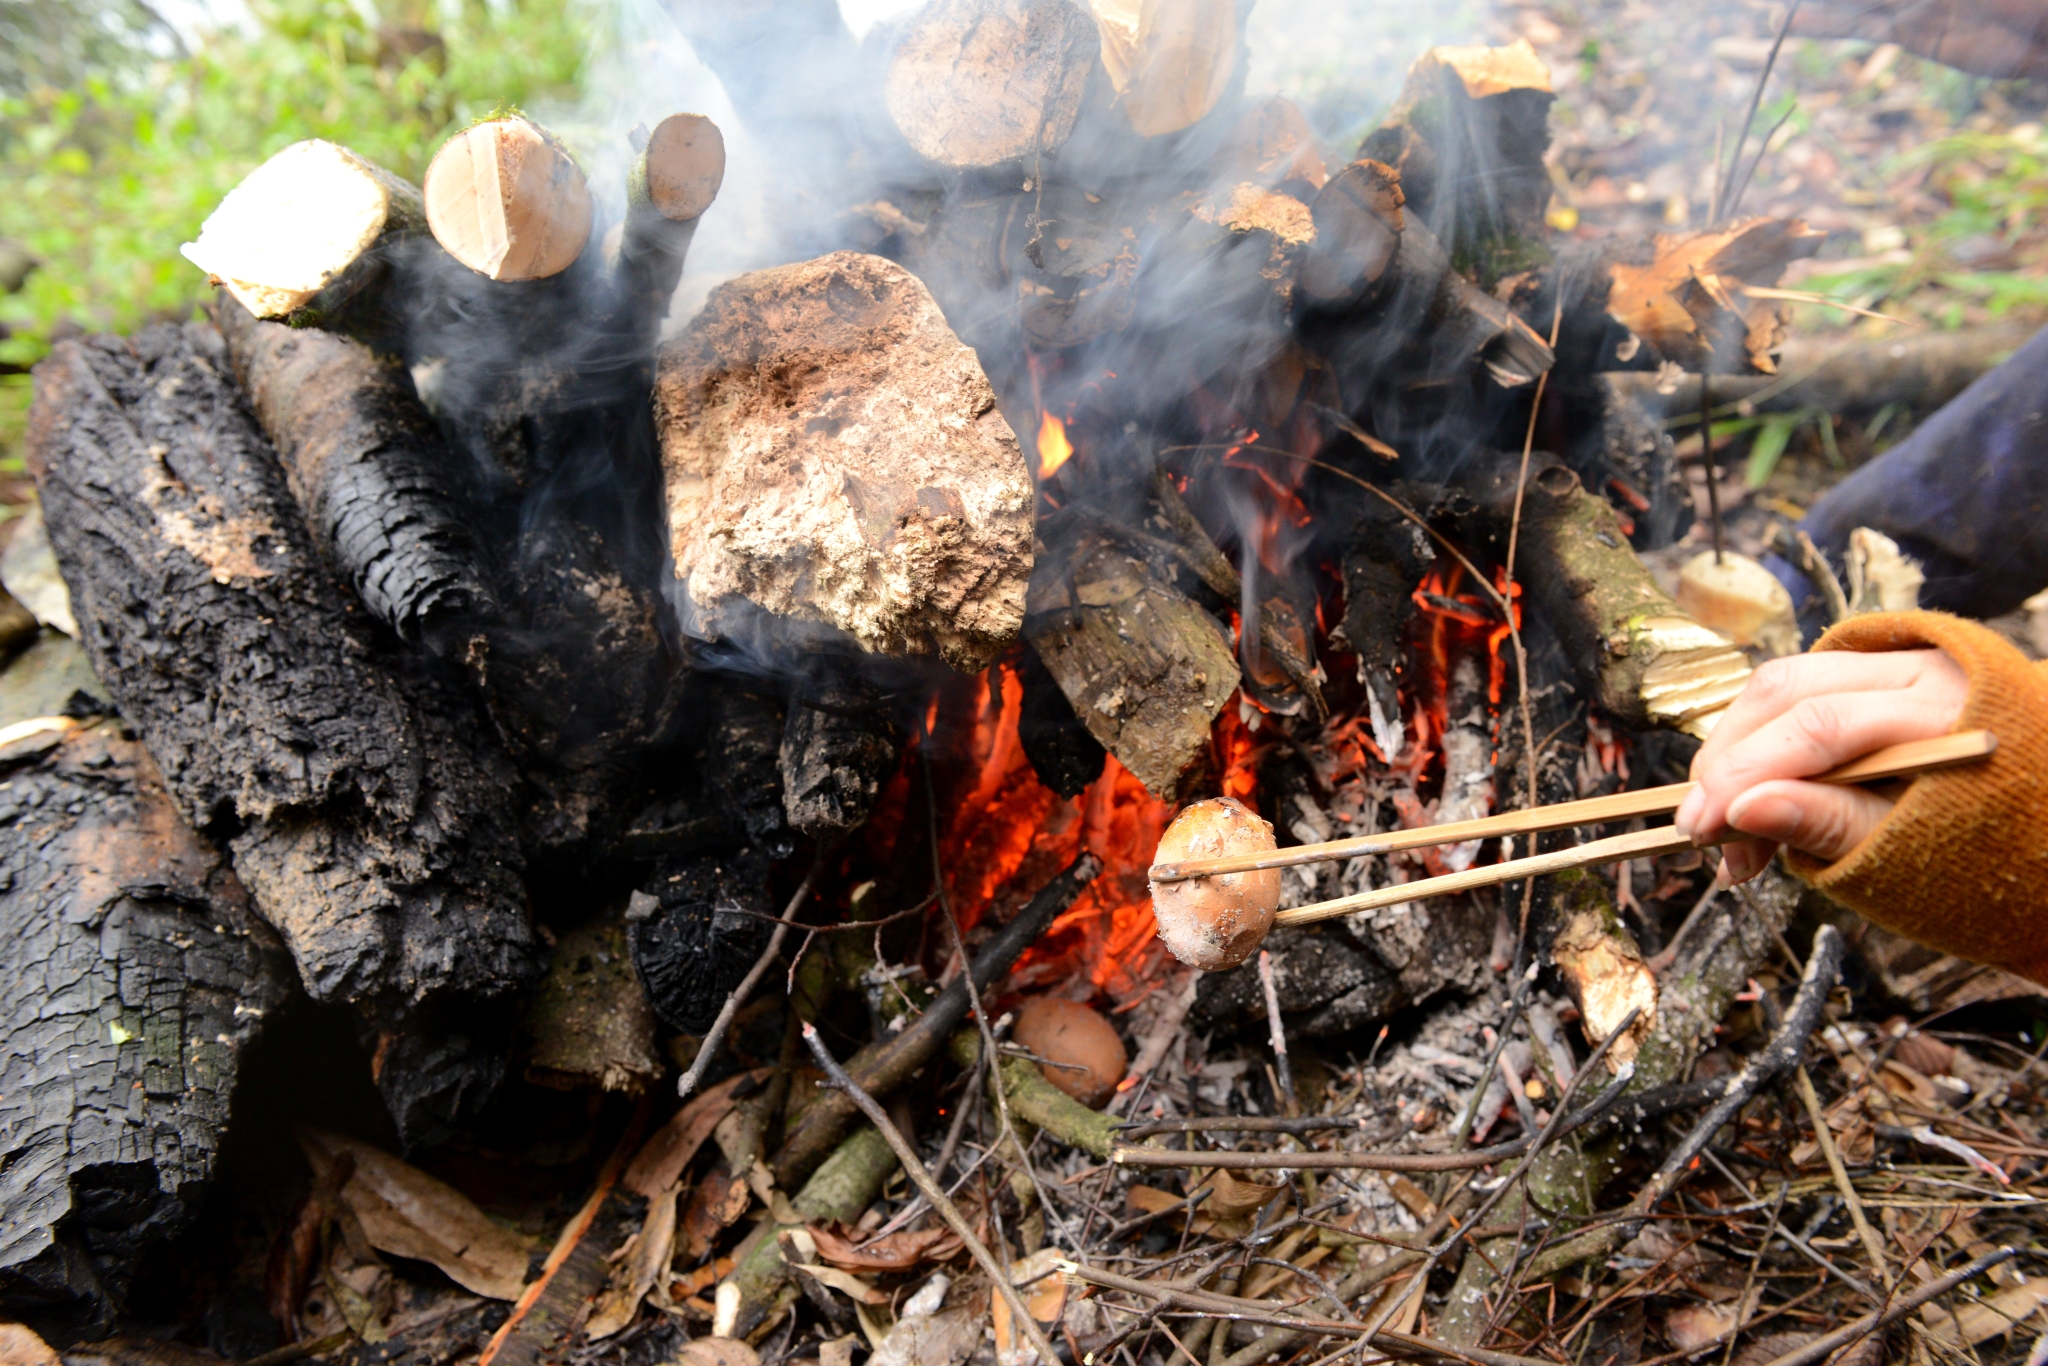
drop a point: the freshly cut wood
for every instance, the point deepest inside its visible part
(833, 455)
(1145, 668)
(1641, 657)
(1170, 61)
(679, 173)
(1741, 599)
(370, 473)
(365, 803)
(137, 979)
(506, 199)
(1468, 138)
(671, 184)
(1684, 294)
(977, 83)
(307, 230)
(1604, 970)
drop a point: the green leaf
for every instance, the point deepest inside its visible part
(1772, 434)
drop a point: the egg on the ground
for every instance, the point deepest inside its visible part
(1083, 1055)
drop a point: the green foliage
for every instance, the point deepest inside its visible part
(107, 177)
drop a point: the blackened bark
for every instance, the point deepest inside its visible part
(839, 743)
(365, 805)
(1064, 755)
(696, 930)
(137, 976)
(739, 755)
(369, 470)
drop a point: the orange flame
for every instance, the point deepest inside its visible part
(1054, 450)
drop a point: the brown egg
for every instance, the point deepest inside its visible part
(1068, 1032)
(1217, 922)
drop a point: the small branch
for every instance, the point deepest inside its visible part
(708, 1049)
(948, 1211)
(1825, 1137)
(1277, 1032)
(1848, 1334)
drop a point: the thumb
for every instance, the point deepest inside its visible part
(1818, 819)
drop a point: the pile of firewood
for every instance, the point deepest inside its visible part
(443, 595)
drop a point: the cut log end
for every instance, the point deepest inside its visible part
(978, 83)
(685, 165)
(297, 223)
(508, 201)
(1169, 64)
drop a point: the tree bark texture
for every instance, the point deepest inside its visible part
(139, 975)
(365, 804)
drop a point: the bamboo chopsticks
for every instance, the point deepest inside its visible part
(1894, 761)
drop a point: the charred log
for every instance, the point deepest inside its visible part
(1144, 667)
(1326, 985)
(739, 755)
(369, 471)
(1064, 754)
(840, 741)
(363, 802)
(695, 930)
(1385, 559)
(138, 977)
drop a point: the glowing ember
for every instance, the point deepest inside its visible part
(1054, 450)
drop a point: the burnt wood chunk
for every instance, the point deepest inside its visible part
(1063, 753)
(695, 930)
(367, 467)
(365, 804)
(833, 456)
(137, 976)
(1144, 667)
(839, 744)
(739, 755)
(1326, 985)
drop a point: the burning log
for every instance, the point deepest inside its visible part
(138, 978)
(506, 199)
(1145, 668)
(1385, 559)
(1467, 138)
(369, 472)
(981, 83)
(310, 235)
(364, 805)
(833, 455)
(1169, 63)
(1641, 658)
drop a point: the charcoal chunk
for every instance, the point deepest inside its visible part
(692, 936)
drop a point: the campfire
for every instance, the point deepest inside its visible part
(796, 695)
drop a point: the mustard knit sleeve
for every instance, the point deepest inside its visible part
(1961, 863)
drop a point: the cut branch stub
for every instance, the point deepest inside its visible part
(1685, 294)
(302, 231)
(1468, 137)
(1358, 225)
(1169, 61)
(977, 83)
(508, 201)
(682, 168)
(833, 455)
(1146, 669)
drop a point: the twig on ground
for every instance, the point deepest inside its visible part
(1825, 1138)
(708, 1049)
(914, 1167)
(1853, 1332)
(1277, 1032)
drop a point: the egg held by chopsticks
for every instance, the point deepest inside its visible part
(1216, 922)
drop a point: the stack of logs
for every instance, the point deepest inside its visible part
(428, 577)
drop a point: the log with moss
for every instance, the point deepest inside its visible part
(1641, 658)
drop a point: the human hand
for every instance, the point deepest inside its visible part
(1803, 716)
(2004, 39)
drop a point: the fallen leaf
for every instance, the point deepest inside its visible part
(1044, 1297)
(942, 1339)
(659, 1163)
(1230, 1198)
(1696, 1325)
(647, 1255)
(715, 1205)
(407, 1213)
(19, 1346)
(837, 1352)
(717, 1352)
(901, 1251)
(843, 1281)
(1993, 1316)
